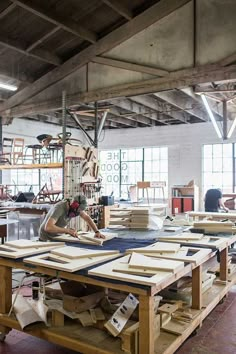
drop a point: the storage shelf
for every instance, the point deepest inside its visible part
(31, 166)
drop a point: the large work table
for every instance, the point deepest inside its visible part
(166, 343)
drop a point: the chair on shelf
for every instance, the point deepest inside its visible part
(18, 150)
(6, 155)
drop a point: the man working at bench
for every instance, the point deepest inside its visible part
(59, 216)
(213, 201)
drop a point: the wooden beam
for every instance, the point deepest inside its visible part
(228, 60)
(130, 66)
(179, 100)
(135, 118)
(40, 54)
(153, 14)
(7, 10)
(146, 114)
(47, 14)
(210, 90)
(119, 8)
(42, 39)
(160, 107)
(179, 79)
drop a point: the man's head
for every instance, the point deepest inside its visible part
(78, 204)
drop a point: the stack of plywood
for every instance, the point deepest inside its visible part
(133, 218)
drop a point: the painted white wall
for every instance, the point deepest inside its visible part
(184, 143)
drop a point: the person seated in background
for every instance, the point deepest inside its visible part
(59, 216)
(214, 201)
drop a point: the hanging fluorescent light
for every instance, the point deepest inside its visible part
(8, 87)
(212, 118)
(231, 129)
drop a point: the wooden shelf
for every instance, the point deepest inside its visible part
(31, 166)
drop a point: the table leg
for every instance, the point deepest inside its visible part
(146, 324)
(224, 264)
(5, 289)
(197, 288)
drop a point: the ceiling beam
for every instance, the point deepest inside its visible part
(147, 114)
(111, 40)
(47, 14)
(119, 8)
(130, 66)
(178, 80)
(228, 60)
(7, 10)
(160, 107)
(120, 120)
(42, 39)
(211, 90)
(134, 117)
(178, 100)
(40, 54)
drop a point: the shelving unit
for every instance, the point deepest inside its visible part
(184, 198)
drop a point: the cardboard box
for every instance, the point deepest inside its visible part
(79, 297)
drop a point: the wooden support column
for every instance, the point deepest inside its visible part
(197, 288)
(146, 324)
(224, 264)
(5, 289)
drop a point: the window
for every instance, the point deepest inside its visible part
(123, 168)
(218, 167)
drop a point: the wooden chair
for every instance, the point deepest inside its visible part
(18, 150)
(6, 155)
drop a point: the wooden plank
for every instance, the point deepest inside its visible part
(152, 15)
(31, 166)
(10, 252)
(213, 216)
(127, 269)
(197, 288)
(137, 260)
(78, 253)
(107, 271)
(57, 318)
(119, 8)
(87, 238)
(5, 289)
(224, 264)
(68, 265)
(157, 247)
(130, 66)
(184, 235)
(198, 255)
(146, 328)
(175, 327)
(22, 244)
(67, 24)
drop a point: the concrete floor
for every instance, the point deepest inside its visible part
(216, 336)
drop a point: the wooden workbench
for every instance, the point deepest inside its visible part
(166, 343)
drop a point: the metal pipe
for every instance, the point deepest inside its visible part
(96, 126)
(225, 120)
(101, 125)
(63, 140)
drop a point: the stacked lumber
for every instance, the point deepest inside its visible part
(211, 226)
(133, 218)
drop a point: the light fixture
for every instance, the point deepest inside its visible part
(8, 87)
(231, 129)
(212, 118)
